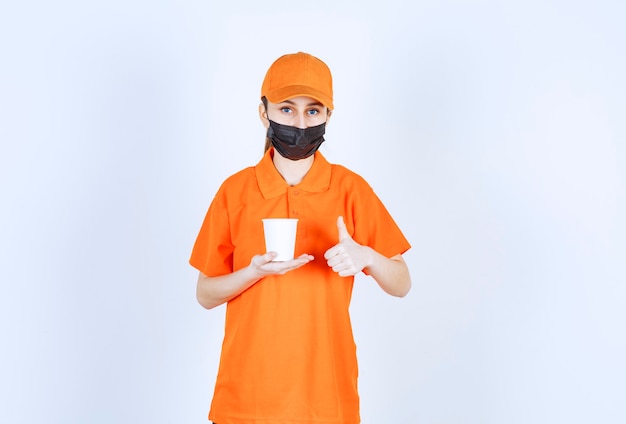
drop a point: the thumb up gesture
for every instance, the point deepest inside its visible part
(347, 258)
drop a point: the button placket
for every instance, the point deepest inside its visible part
(294, 195)
(295, 201)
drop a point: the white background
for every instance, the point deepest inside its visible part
(494, 132)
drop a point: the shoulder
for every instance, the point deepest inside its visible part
(239, 177)
(348, 178)
(235, 182)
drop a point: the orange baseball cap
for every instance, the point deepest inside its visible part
(298, 74)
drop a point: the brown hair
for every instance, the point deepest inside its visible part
(268, 142)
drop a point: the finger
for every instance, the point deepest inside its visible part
(344, 269)
(306, 256)
(290, 264)
(300, 260)
(347, 272)
(334, 251)
(260, 260)
(284, 267)
(269, 257)
(343, 231)
(334, 261)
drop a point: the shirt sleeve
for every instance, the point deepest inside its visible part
(212, 253)
(375, 227)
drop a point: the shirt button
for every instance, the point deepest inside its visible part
(296, 192)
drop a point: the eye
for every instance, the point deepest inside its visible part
(313, 112)
(285, 109)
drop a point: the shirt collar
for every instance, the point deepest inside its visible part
(272, 184)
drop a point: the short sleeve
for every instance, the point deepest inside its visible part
(375, 227)
(212, 253)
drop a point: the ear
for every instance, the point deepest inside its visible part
(263, 115)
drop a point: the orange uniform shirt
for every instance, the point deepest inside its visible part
(288, 355)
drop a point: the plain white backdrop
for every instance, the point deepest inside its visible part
(493, 131)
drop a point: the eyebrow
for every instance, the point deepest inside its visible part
(294, 104)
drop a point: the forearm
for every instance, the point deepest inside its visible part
(391, 274)
(213, 291)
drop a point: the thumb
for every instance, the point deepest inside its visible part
(343, 231)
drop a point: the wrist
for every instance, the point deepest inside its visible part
(370, 257)
(251, 273)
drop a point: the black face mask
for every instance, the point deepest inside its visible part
(296, 143)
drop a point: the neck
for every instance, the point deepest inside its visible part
(293, 171)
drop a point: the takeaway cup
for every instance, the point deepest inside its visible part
(280, 237)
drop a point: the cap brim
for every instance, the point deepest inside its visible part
(291, 91)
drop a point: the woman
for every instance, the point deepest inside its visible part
(288, 354)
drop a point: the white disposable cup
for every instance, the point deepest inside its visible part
(280, 237)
